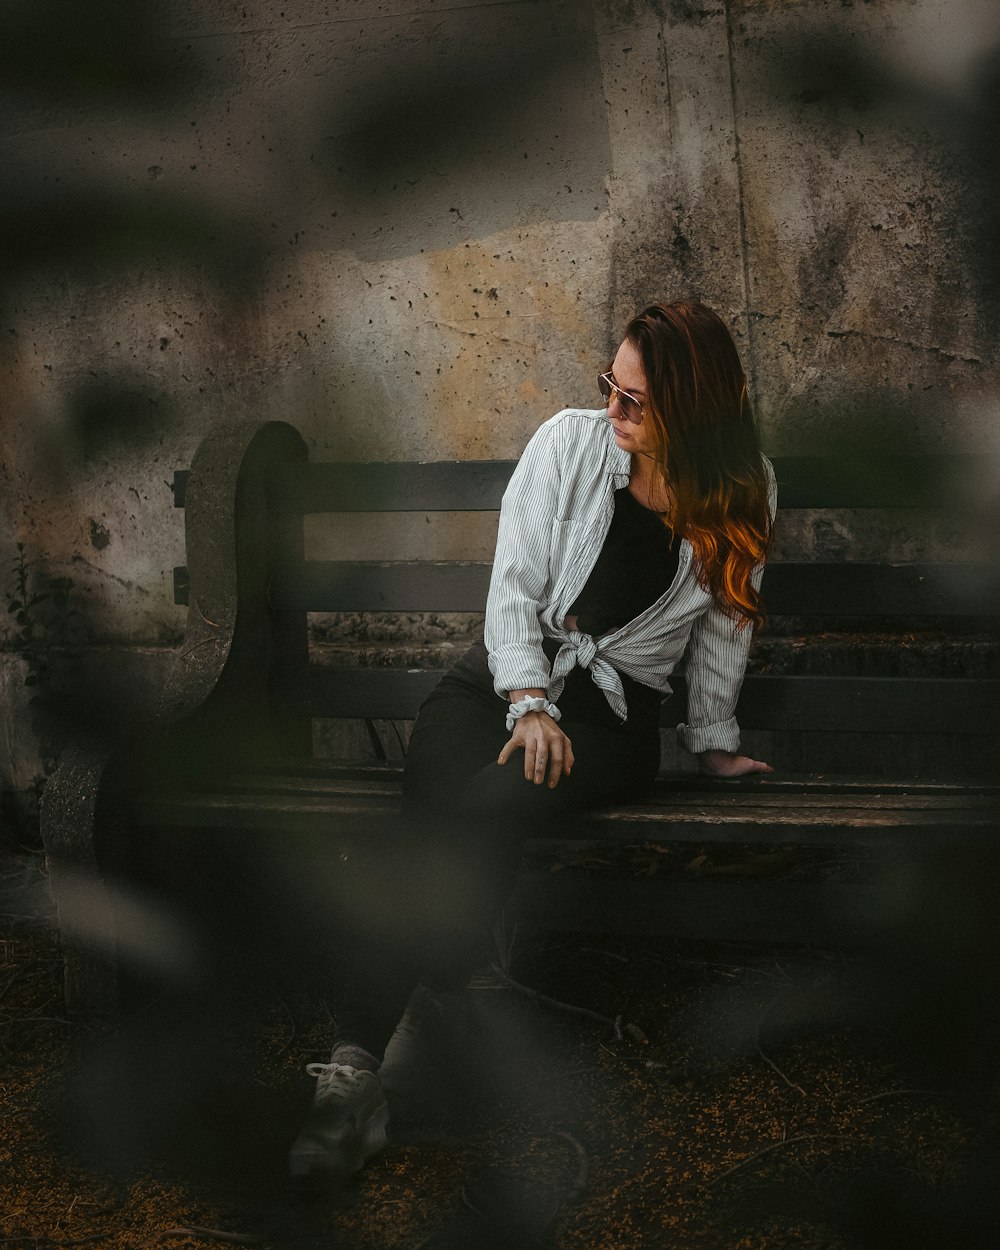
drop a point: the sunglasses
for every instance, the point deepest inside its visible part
(630, 407)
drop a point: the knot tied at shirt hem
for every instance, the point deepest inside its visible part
(582, 651)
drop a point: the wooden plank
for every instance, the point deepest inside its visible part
(882, 590)
(791, 589)
(643, 821)
(825, 589)
(662, 794)
(367, 816)
(910, 705)
(389, 772)
(283, 816)
(361, 693)
(433, 486)
(388, 586)
(861, 480)
(863, 704)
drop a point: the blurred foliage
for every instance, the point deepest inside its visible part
(46, 639)
(60, 52)
(125, 413)
(101, 230)
(107, 61)
(833, 67)
(46, 636)
(449, 112)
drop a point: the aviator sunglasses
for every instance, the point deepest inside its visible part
(631, 408)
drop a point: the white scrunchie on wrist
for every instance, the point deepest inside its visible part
(523, 706)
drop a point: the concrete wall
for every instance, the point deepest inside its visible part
(415, 229)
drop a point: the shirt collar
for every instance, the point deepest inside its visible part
(619, 461)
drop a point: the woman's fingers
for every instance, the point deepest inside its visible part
(547, 750)
(556, 761)
(508, 750)
(548, 758)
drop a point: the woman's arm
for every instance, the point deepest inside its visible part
(512, 632)
(716, 666)
(717, 660)
(716, 663)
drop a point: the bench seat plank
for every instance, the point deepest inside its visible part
(267, 772)
(751, 793)
(779, 820)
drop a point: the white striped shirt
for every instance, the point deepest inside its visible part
(554, 518)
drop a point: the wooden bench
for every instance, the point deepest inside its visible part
(231, 757)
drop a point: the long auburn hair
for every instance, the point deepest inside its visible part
(707, 449)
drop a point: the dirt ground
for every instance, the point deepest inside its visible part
(734, 1098)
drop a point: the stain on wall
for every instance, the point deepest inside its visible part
(99, 536)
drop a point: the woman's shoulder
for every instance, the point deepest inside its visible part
(581, 417)
(575, 440)
(577, 427)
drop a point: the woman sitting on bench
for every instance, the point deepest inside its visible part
(627, 534)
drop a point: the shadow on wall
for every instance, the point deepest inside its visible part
(826, 67)
(421, 135)
(501, 124)
(105, 63)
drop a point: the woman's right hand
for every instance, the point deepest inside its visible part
(546, 748)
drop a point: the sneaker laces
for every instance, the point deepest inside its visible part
(334, 1081)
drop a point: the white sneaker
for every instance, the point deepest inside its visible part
(347, 1124)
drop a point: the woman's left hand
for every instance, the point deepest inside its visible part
(729, 764)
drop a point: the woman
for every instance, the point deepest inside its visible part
(627, 535)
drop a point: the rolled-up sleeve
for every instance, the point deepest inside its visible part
(716, 665)
(513, 634)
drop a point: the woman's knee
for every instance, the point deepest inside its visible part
(443, 757)
(501, 792)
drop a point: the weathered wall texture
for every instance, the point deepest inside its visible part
(416, 228)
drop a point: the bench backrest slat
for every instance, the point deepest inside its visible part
(862, 590)
(860, 481)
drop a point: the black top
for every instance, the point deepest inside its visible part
(636, 566)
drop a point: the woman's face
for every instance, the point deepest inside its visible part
(628, 373)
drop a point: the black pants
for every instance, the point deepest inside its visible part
(467, 819)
